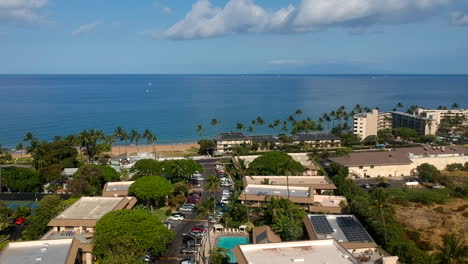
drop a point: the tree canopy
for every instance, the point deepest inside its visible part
(151, 189)
(276, 163)
(285, 218)
(428, 172)
(49, 207)
(406, 133)
(206, 147)
(124, 235)
(146, 167)
(88, 180)
(21, 180)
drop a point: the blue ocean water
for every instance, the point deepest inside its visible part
(172, 106)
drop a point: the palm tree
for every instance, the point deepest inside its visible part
(57, 138)
(150, 137)
(19, 147)
(454, 251)
(200, 129)
(259, 121)
(399, 105)
(135, 137)
(33, 142)
(215, 122)
(213, 183)
(298, 112)
(326, 117)
(240, 126)
(118, 133)
(250, 129)
(380, 198)
(455, 106)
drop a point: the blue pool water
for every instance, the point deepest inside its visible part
(229, 242)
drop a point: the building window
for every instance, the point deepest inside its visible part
(360, 167)
(371, 166)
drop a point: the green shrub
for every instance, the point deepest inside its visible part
(168, 211)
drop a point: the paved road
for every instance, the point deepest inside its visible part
(16, 232)
(398, 182)
(172, 254)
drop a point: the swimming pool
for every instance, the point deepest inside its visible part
(229, 242)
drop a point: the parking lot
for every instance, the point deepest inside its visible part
(173, 254)
(397, 182)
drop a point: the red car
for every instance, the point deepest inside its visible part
(198, 229)
(20, 220)
(192, 200)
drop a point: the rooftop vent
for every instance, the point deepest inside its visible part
(295, 260)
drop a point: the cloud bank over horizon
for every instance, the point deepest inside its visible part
(205, 20)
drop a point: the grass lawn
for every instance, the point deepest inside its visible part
(161, 213)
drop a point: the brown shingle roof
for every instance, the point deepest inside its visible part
(433, 150)
(373, 158)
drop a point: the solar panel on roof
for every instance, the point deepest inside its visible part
(321, 224)
(353, 230)
(261, 237)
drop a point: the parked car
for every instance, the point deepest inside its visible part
(197, 234)
(366, 186)
(187, 209)
(188, 250)
(148, 257)
(20, 220)
(383, 185)
(198, 229)
(193, 242)
(176, 217)
(188, 261)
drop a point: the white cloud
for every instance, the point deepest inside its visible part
(86, 28)
(243, 16)
(21, 11)
(459, 19)
(166, 10)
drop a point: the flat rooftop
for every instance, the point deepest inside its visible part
(312, 251)
(90, 208)
(274, 190)
(342, 228)
(283, 180)
(118, 186)
(55, 251)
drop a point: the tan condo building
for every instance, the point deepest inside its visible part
(52, 251)
(78, 220)
(116, 189)
(401, 161)
(256, 195)
(349, 233)
(368, 124)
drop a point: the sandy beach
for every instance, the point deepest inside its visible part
(162, 150)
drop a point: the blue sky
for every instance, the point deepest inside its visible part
(234, 36)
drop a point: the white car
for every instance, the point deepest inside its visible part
(226, 192)
(176, 217)
(225, 200)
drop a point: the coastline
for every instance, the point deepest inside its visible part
(162, 150)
